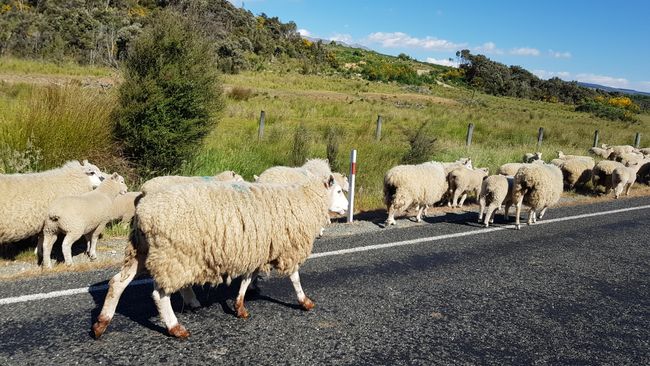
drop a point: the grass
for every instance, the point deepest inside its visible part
(11, 65)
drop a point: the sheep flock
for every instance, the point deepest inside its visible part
(187, 231)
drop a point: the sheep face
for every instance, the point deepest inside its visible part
(337, 202)
(95, 176)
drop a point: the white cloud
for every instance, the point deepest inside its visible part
(399, 39)
(558, 54)
(304, 32)
(525, 51)
(443, 62)
(488, 48)
(603, 80)
(345, 38)
(543, 74)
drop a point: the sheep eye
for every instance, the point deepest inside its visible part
(339, 191)
(92, 173)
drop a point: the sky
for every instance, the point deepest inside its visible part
(602, 42)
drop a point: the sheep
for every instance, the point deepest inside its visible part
(602, 174)
(538, 186)
(629, 158)
(510, 169)
(123, 207)
(200, 232)
(449, 166)
(603, 153)
(645, 151)
(530, 157)
(577, 171)
(619, 149)
(563, 156)
(496, 190)
(83, 215)
(25, 198)
(462, 180)
(623, 177)
(419, 185)
(342, 180)
(313, 168)
(166, 181)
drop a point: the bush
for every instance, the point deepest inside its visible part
(421, 146)
(301, 144)
(606, 110)
(170, 96)
(333, 138)
(240, 93)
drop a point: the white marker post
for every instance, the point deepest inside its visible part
(353, 173)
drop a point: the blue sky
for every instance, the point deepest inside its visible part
(603, 42)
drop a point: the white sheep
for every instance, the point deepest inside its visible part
(603, 153)
(564, 156)
(629, 158)
(619, 149)
(538, 186)
(25, 198)
(645, 151)
(577, 171)
(77, 216)
(463, 180)
(312, 168)
(623, 178)
(418, 186)
(166, 181)
(199, 233)
(123, 207)
(530, 157)
(602, 174)
(510, 169)
(496, 190)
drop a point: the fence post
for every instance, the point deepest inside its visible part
(637, 140)
(470, 132)
(596, 138)
(378, 129)
(260, 131)
(540, 137)
(353, 173)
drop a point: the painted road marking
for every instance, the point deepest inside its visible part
(54, 294)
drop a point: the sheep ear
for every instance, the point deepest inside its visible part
(85, 162)
(115, 176)
(256, 177)
(330, 181)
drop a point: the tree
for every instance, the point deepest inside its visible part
(170, 95)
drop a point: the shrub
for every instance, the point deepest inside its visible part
(333, 138)
(240, 93)
(421, 145)
(606, 110)
(170, 96)
(301, 144)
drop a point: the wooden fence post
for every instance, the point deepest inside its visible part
(260, 131)
(596, 138)
(470, 132)
(540, 137)
(378, 129)
(637, 140)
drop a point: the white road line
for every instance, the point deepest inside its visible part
(49, 295)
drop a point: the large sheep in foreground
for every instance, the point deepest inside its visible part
(166, 181)
(77, 216)
(199, 233)
(602, 174)
(496, 190)
(25, 198)
(463, 180)
(407, 186)
(538, 186)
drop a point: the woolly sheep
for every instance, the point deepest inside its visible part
(577, 172)
(530, 157)
(83, 215)
(123, 207)
(449, 166)
(496, 190)
(619, 149)
(463, 180)
(25, 198)
(603, 153)
(200, 232)
(407, 186)
(510, 169)
(313, 168)
(166, 181)
(623, 178)
(629, 158)
(602, 174)
(563, 156)
(645, 151)
(538, 186)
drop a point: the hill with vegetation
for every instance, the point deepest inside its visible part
(63, 64)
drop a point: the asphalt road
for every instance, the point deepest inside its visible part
(568, 292)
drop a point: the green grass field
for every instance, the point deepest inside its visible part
(505, 129)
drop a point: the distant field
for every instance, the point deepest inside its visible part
(505, 129)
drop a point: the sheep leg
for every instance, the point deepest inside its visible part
(391, 216)
(541, 213)
(239, 303)
(518, 212)
(48, 241)
(481, 202)
(418, 217)
(618, 190)
(304, 301)
(189, 297)
(92, 247)
(532, 216)
(164, 305)
(66, 247)
(489, 215)
(506, 217)
(455, 198)
(627, 191)
(116, 287)
(462, 199)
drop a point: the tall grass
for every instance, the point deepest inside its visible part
(11, 65)
(61, 122)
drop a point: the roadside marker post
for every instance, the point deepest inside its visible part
(353, 173)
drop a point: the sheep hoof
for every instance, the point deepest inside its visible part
(242, 313)
(518, 226)
(179, 331)
(487, 224)
(100, 326)
(307, 304)
(92, 258)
